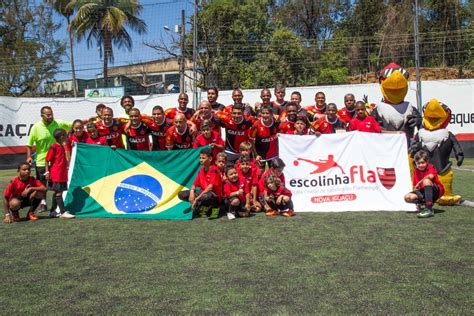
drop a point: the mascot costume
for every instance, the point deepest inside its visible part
(439, 143)
(393, 113)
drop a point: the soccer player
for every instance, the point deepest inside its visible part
(347, 113)
(317, 110)
(428, 188)
(250, 174)
(265, 96)
(212, 95)
(94, 137)
(205, 112)
(236, 129)
(127, 102)
(138, 131)
(77, 135)
(280, 93)
(209, 137)
(276, 168)
(56, 173)
(328, 123)
(363, 123)
(182, 108)
(296, 99)
(179, 135)
(237, 97)
(300, 127)
(277, 198)
(206, 192)
(22, 191)
(263, 135)
(159, 129)
(41, 136)
(112, 129)
(287, 126)
(236, 194)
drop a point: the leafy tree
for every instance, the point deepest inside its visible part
(333, 61)
(107, 22)
(28, 50)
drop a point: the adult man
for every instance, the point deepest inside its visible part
(212, 95)
(263, 135)
(318, 109)
(347, 112)
(138, 131)
(111, 129)
(205, 113)
(158, 133)
(182, 108)
(179, 136)
(41, 136)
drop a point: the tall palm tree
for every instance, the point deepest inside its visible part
(105, 21)
(64, 8)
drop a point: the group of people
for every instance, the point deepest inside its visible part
(239, 175)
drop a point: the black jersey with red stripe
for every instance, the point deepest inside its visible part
(248, 111)
(215, 124)
(265, 138)
(158, 135)
(217, 107)
(112, 133)
(235, 133)
(171, 113)
(177, 140)
(276, 109)
(138, 138)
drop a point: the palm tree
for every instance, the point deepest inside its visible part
(105, 21)
(64, 8)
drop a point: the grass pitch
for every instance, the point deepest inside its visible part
(354, 262)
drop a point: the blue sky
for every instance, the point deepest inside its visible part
(156, 14)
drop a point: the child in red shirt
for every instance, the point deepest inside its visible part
(236, 194)
(428, 188)
(94, 137)
(22, 191)
(277, 198)
(361, 122)
(250, 174)
(208, 136)
(206, 191)
(56, 173)
(77, 135)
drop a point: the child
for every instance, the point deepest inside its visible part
(56, 173)
(361, 122)
(94, 137)
(250, 175)
(428, 188)
(77, 135)
(276, 168)
(277, 198)
(236, 194)
(22, 191)
(300, 126)
(328, 123)
(209, 137)
(221, 161)
(209, 182)
(280, 93)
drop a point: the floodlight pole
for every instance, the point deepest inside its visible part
(181, 56)
(195, 32)
(417, 59)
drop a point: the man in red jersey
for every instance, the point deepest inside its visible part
(296, 99)
(111, 129)
(236, 130)
(347, 113)
(212, 95)
(265, 96)
(287, 126)
(237, 97)
(205, 113)
(138, 131)
(179, 136)
(317, 110)
(263, 135)
(158, 131)
(182, 108)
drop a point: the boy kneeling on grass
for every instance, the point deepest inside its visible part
(22, 191)
(428, 188)
(209, 182)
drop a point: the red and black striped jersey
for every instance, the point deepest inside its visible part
(177, 140)
(138, 138)
(158, 134)
(112, 133)
(235, 133)
(265, 138)
(171, 113)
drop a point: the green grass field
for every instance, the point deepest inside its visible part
(354, 262)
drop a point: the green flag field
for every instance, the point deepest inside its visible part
(338, 263)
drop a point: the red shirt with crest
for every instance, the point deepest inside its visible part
(112, 133)
(368, 124)
(176, 140)
(211, 176)
(265, 139)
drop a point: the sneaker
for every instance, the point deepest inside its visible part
(214, 213)
(203, 211)
(16, 216)
(30, 216)
(42, 208)
(426, 213)
(230, 216)
(54, 214)
(288, 213)
(419, 208)
(271, 213)
(67, 215)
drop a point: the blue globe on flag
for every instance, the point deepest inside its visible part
(138, 194)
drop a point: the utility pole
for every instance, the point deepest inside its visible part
(417, 59)
(195, 33)
(181, 55)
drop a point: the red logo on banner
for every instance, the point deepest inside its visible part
(322, 164)
(387, 177)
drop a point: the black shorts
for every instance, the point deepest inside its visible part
(57, 186)
(421, 194)
(40, 174)
(25, 201)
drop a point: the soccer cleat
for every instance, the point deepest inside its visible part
(214, 213)
(16, 216)
(288, 213)
(271, 213)
(230, 216)
(30, 216)
(54, 214)
(67, 215)
(426, 213)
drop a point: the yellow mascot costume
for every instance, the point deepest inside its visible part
(439, 143)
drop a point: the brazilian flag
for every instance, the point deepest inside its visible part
(130, 184)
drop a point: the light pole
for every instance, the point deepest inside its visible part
(181, 31)
(417, 59)
(195, 33)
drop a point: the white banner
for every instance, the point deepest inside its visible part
(353, 171)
